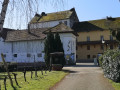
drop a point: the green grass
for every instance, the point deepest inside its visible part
(115, 85)
(42, 82)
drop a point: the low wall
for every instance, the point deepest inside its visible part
(85, 61)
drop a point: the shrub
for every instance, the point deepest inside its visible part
(110, 63)
(100, 60)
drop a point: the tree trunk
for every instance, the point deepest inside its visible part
(6, 67)
(3, 14)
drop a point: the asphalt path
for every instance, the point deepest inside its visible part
(84, 76)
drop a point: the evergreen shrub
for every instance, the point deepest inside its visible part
(110, 63)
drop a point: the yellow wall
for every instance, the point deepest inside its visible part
(94, 35)
(82, 51)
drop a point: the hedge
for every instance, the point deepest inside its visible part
(110, 63)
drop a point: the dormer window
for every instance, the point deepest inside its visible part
(111, 38)
(88, 38)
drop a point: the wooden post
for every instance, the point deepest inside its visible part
(35, 67)
(45, 69)
(15, 78)
(31, 73)
(50, 67)
(36, 72)
(42, 71)
(6, 67)
(5, 82)
(24, 74)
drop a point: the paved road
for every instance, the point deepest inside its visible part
(84, 76)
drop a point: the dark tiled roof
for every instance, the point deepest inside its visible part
(60, 28)
(102, 24)
(3, 34)
(52, 16)
(23, 35)
(36, 34)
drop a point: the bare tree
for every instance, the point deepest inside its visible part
(3, 14)
(23, 10)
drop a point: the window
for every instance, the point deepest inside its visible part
(111, 38)
(94, 56)
(15, 55)
(111, 46)
(60, 22)
(4, 55)
(101, 37)
(88, 38)
(39, 55)
(94, 46)
(65, 22)
(88, 56)
(28, 55)
(88, 47)
(76, 56)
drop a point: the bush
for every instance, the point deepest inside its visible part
(100, 61)
(110, 63)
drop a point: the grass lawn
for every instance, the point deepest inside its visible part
(42, 82)
(115, 85)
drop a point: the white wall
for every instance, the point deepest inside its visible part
(22, 48)
(48, 24)
(33, 48)
(69, 44)
(5, 48)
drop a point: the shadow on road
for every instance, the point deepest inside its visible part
(83, 65)
(69, 71)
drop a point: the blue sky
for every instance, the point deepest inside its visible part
(92, 9)
(86, 10)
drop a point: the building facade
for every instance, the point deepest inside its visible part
(47, 20)
(23, 46)
(94, 38)
(83, 41)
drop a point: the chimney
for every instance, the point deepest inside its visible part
(43, 14)
(28, 28)
(72, 9)
(110, 18)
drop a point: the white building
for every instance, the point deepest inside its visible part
(28, 45)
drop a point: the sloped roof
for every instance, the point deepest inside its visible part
(60, 28)
(3, 34)
(36, 34)
(23, 35)
(102, 24)
(52, 16)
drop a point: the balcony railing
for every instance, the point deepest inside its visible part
(96, 42)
